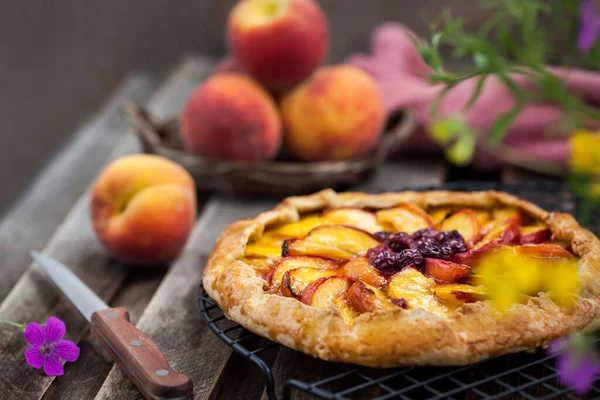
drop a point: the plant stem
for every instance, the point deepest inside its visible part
(20, 326)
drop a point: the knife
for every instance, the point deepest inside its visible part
(135, 353)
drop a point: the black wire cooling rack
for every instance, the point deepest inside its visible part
(531, 376)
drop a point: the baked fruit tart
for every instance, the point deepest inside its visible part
(390, 279)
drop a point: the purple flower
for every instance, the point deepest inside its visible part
(589, 28)
(48, 347)
(576, 361)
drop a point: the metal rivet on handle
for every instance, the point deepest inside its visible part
(162, 372)
(113, 315)
(136, 343)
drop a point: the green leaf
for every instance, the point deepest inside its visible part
(481, 60)
(476, 92)
(511, 85)
(435, 39)
(503, 122)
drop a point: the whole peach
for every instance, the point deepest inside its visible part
(143, 208)
(230, 117)
(279, 42)
(336, 115)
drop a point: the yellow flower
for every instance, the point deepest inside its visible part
(509, 278)
(585, 158)
(585, 152)
(563, 283)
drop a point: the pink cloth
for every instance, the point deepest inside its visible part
(402, 76)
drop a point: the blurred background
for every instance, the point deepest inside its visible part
(61, 59)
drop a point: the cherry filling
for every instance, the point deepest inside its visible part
(400, 250)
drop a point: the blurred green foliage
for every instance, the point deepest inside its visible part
(520, 37)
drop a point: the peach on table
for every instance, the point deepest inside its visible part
(143, 208)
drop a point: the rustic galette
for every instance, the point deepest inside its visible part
(388, 279)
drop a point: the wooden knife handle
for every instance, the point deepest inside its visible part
(138, 356)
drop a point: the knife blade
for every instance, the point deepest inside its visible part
(135, 352)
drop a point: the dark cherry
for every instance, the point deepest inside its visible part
(401, 249)
(383, 259)
(427, 234)
(400, 241)
(409, 257)
(383, 236)
(454, 240)
(435, 251)
(285, 248)
(399, 303)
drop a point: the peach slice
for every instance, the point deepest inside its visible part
(360, 269)
(455, 295)
(297, 229)
(275, 274)
(347, 312)
(409, 281)
(465, 221)
(324, 291)
(439, 214)
(483, 217)
(503, 232)
(471, 257)
(261, 249)
(353, 217)
(503, 214)
(415, 289)
(545, 251)
(446, 271)
(535, 234)
(338, 242)
(367, 298)
(296, 280)
(407, 218)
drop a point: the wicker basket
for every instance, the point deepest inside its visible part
(275, 178)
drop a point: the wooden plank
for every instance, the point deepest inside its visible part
(35, 298)
(249, 382)
(173, 320)
(84, 378)
(133, 289)
(35, 217)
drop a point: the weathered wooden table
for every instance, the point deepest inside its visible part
(53, 217)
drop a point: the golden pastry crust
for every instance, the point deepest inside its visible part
(386, 338)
